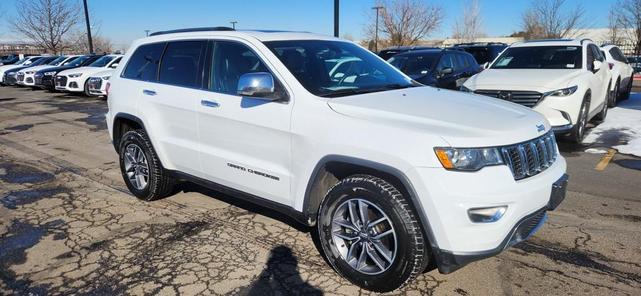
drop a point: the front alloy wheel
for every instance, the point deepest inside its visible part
(364, 236)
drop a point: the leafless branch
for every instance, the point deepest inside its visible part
(549, 19)
(45, 22)
(469, 26)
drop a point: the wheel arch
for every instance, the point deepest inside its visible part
(122, 123)
(332, 168)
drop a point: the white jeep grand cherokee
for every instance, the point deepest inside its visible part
(393, 175)
(566, 80)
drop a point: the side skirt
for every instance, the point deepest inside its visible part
(244, 196)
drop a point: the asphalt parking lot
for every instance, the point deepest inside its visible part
(69, 225)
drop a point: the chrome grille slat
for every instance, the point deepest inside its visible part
(530, 158)
(522, 97)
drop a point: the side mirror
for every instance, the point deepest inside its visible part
(446, 71)
(113, 66)
(258, 84)
(596, 65)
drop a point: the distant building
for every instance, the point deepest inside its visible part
(8, 46)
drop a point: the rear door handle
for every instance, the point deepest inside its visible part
(209, 103)
(149, 92)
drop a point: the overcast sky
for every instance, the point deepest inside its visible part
(125, 20)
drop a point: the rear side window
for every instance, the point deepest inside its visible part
(462, 61)
(617, 55)
(181, 63)
(143, 64)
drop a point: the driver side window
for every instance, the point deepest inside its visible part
(445, 62)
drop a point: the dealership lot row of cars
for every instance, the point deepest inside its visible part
(569, 81)
(74, 73)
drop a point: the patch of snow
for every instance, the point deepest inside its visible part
(621, 129)
(596, 151)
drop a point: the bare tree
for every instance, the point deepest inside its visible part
(627, 14)
(45, 22)
(469, 26)
(405, 22)
(614, 27)
(77, 42)
(550, 19)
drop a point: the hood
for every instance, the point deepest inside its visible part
(56, 69)
(461, 119)
(36, 68)
(523, 79)
(102, 73)
(86, 71)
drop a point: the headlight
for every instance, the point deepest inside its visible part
(564, 92)
(29, 72)
(465, 89)
(106, 77)
(75, 75)
(11, 73)
(50, 73)
(468, 159)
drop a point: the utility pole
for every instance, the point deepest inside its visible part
(147, 32)
(336, 6)
(377, 8)
(88, 27)
(233, 24)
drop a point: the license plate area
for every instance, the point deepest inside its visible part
(558, 192)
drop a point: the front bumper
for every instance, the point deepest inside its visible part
(448, 262)
(66, 83)
(446, 196)
(45, 81)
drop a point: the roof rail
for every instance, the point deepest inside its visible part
(586, 39)
(203, 29)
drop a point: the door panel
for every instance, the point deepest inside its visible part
(245, 142)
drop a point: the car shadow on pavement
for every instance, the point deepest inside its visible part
(280, 276)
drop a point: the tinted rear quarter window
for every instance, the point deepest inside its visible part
(181, 63)
(143, 64)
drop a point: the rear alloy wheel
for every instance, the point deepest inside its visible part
(371, 235)
(626, 95)
(614, 96)
(141, 169)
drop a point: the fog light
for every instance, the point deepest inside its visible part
(486, 215)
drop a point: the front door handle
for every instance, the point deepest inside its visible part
(149, 92)
(209, 103)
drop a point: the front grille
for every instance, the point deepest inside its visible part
(20, 76)
(38, 80)
(523, 97)
(532, 157)
(95, 83)
(61, 81)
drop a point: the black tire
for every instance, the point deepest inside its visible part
(411, 248)
(613, 97)
(626, 95)
(578, 130)
(609, 97)
(86, 91)
(158, 184)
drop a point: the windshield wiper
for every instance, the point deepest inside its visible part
(356, 91)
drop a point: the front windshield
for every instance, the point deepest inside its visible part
(78, 61)
(336, 68)
(540, 57)
(414, 65)
(101, 62)
(57, 61)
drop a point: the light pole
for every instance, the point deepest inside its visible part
(336, 6)
(377, 8)
(233, 24)
(88, 26)
(147, 32)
